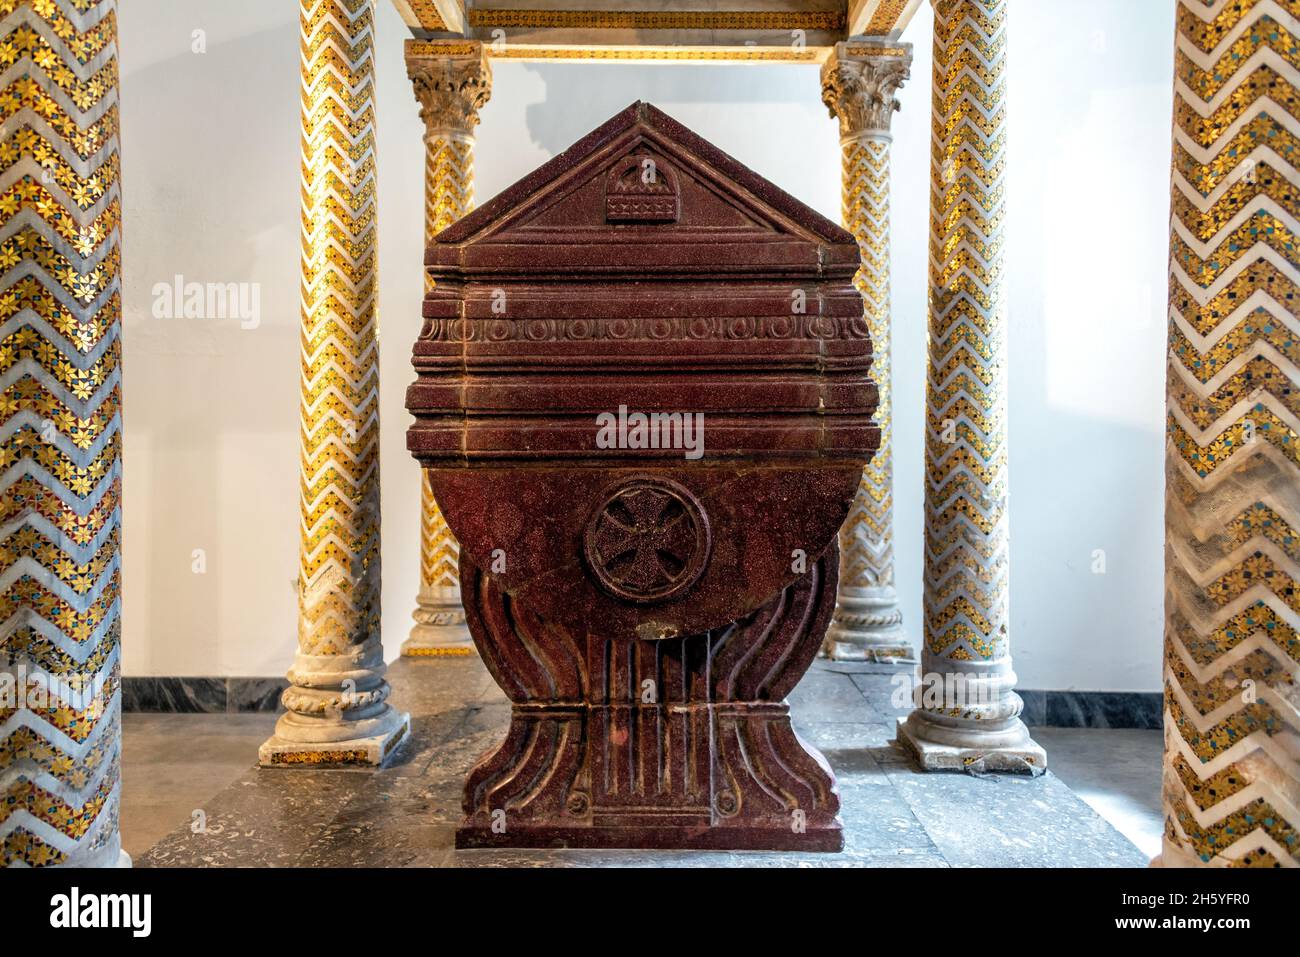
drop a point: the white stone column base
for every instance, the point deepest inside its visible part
(298, 742)
(1008, 750)
(884, 649)
(867, 626)
(440, 630)
(439, 641)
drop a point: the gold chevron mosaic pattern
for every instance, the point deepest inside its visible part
(449, 195)
(867, 538)
(965, 584)
(60, 478)
(1232, 557)
(339, 557)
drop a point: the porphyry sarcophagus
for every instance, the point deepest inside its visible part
(642, 400)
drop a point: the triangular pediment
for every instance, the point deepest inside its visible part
(639, 177)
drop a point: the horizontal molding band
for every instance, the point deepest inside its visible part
(1093, 709)
(199, 695)
(1043, 708)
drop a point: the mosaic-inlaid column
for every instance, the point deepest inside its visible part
(859, 83)
(1232, 475)
(60, 482)
(968, 715)
(338, 711)
(452, 81)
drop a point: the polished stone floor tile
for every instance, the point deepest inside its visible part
(824, 696)
(173, 763)
(844, 735)
(889, 692)
(380, 843)
(1012, 820)
(1116, 772)
(267, 818)
(405, 815)
(879, 823)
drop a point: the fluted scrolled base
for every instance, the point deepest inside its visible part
(868, 626)
(733, 807)
(710, 760)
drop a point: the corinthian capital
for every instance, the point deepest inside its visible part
(859, 83)
(452, 81)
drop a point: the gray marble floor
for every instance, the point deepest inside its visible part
(1116, 771)
(173, 763)
(176, 766)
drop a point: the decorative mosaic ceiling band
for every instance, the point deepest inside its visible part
(966, 624)
(860, 88)
(487, 18)
(876, 50)
(783, 53)
(338, 695)
(60, 489)
(423, 13)
(450, 88)
(887, 15)
(1232, 513)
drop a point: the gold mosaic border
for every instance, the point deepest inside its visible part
(826, 20)
(701, 54)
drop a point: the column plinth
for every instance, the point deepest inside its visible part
(452, 81)
(859, 83)
(1231, 781)
(337, 703)
(337, 712)
(439, 630)
(967, 715)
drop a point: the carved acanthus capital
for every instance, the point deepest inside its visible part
(452, 82)
(860, 81)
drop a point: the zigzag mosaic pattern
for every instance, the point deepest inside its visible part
(60, 487)
(965, 585)
(867, 539)
(448, 195)
(1232, 557)
(340, 571)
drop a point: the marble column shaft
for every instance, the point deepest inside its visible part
(968, 716)
(60, 490)
(452, 81)
(859, 83)
(1231, 788)
(337, 708)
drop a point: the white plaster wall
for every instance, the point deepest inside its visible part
(210, 183)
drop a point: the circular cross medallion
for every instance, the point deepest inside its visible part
(647, 540)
